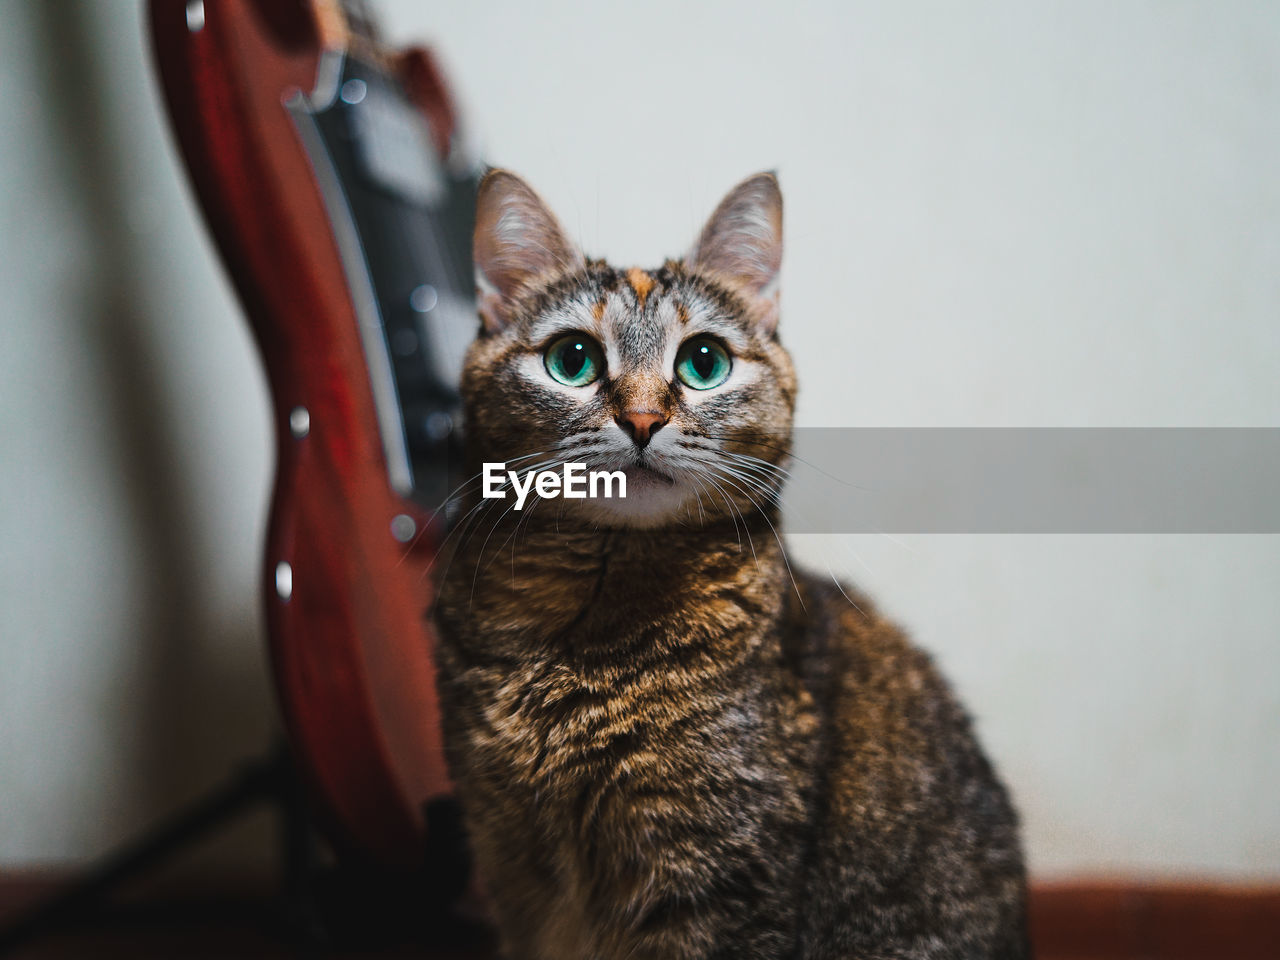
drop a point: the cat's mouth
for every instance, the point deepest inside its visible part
(651, 496)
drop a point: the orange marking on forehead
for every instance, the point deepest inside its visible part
(597, 309)
(640, 282)
(682, 312)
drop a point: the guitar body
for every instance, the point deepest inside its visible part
(346, 572)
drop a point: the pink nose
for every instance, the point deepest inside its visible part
(641, 425)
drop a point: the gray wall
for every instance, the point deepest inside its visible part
(997, 214)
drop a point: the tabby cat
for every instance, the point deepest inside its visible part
(666, 742)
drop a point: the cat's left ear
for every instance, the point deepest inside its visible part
(742, 243)
(518, 243)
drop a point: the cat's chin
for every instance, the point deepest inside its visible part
(653, 499)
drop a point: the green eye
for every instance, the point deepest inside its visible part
(575, 360)
(702, 363)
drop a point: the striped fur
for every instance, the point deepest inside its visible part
(667, 744)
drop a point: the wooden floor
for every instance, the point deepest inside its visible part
(1084, 921)
(1127, 921)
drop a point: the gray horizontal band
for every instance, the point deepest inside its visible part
(1032, 480)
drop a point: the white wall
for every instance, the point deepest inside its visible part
(134, 458)
(997, 214)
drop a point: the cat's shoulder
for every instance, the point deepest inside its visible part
(842, 624)
(897, 732)
(881, 682)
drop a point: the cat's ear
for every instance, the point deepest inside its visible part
(742, 242)
(517, 241)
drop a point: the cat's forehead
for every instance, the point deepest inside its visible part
(637, 310)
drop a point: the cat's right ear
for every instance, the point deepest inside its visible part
(517, 242)
(742, 243)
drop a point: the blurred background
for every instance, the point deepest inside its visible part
(998, 214)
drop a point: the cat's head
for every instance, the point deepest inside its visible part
(674, 376)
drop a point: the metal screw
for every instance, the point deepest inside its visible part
(353, 91)
(284, 581)
(424, 298)
(403, 528)
(438, 426)
(299, 422)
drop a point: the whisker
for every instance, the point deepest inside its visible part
(840, 587)
(781, 547)
(753, 483)
(700, 475)
(787, 451)
(474, 514)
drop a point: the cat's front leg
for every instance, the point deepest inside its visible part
(694, 901)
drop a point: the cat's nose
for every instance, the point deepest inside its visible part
(641, 425)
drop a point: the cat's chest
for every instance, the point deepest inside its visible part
(613, 592)
(557, 721)
(581, 680)
(593, 743)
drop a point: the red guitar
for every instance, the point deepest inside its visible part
(327, 168)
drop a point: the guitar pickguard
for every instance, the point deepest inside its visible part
(403, 221)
